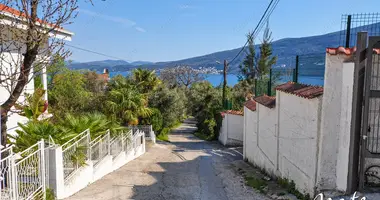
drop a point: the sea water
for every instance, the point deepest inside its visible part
(232, 79)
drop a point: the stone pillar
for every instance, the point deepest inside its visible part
(330, 122)
(55, 171)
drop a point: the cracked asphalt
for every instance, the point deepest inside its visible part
(187, 168)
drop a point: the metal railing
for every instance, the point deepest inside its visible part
(100, 148)
(127, 141)
(138, 139)
(117, 144)
(29, 172)
(147, 129)
(75, 153)
(5, 176)
(23, 174)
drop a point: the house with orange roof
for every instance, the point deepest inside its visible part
(14, 25)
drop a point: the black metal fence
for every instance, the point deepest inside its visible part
(354, 23)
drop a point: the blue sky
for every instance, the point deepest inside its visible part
(166, 30)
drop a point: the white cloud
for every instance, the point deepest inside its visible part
(183, 7)
(140, 29)
(124, 21)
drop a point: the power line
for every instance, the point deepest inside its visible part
(267, 18)
(90, 51)
(258, 25)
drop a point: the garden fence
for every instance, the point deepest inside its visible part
(23, 174)
(74, 152)
(100, 148)
(147, 129)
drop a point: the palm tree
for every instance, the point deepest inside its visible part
(96, 122)
(34, 131)
(146, 80)
(126, 104)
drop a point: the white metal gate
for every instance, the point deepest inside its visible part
(23, 174)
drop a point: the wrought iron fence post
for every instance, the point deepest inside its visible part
(88, 145)
(348, 31)
(109, 142)
(13, 177)
(41, 147)
(122, 141)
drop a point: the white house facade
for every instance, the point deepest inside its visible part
(12, 22)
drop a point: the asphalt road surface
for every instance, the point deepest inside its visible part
(187, 168)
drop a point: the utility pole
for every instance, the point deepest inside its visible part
(224, 83)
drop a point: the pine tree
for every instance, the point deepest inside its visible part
(247, 69)
(266, 60)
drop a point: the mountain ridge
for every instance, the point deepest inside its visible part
(286, 50)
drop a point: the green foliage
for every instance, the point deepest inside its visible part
(146, 80)
(171, 103)
(248, 67)
(35, 104)
(204, 105)
(290, 186)
(266, 60)
(68, 93)
(38, 82)
(79, 156)
(163, 135)
(34, 131)
(156, 120)
(125, 103)
(49, 194)
(96, 122)
(58, 66)
(240, 92)
(256, 183)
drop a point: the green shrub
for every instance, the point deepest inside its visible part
(165, 131)
(156, 120)
(96, 122)
(32, 132)
(163, 135)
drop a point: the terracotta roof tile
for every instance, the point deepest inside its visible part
(104, 77)
(346, 51)
(250, 104)
(266, 101)
(17, 13)
(232, 112)
(301, 90)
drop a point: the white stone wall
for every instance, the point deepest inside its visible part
(231, 132)
(250, 135)
(267, 138)
(299, 120)
(306, 140)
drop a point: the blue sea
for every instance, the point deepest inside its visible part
(217, 79)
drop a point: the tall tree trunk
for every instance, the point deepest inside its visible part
(32, 46)
(4, 119)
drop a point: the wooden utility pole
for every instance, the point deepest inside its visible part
(224, 83)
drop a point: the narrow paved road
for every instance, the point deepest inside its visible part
(187, 168)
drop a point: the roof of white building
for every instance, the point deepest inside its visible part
(12, 13)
